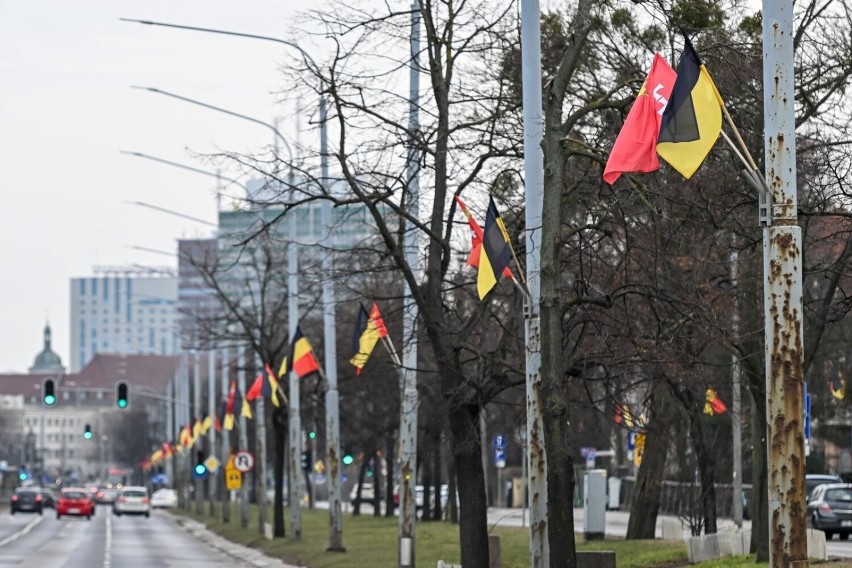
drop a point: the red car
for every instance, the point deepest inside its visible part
(74, 502)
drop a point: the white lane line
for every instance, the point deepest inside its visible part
(22, 532)
(108, 544)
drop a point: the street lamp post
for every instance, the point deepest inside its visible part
(222, 110)
(332, 397)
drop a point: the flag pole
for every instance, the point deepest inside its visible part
(391, 349)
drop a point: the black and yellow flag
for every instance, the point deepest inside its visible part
(494, 255)
(692, 120)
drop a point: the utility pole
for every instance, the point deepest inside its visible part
(534, 182)
(782, 250)
(332, 398)
(408, 372)
(260, 461)
(736, 403)
(212, 483)
(226, 445)
(196, 408)
(241, 384)
(295, 412)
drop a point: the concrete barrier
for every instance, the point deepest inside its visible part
(672, 529)
(595, 559)
(703, 548)
(494, 551)
(816, 545)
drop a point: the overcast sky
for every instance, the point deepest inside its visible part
(66, 109)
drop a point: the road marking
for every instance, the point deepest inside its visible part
(108, 543)
(22, 532)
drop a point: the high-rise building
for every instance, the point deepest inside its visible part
(198, 304)
(123, 310)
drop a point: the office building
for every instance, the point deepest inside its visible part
(127, 310)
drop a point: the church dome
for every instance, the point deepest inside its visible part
(47, 360)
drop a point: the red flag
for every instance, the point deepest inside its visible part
(255, 389)
(229, 407)
(635, 148)
(475, 239)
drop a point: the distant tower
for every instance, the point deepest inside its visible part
(47, 360)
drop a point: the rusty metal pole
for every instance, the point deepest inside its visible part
(534, 188)
(782, 259)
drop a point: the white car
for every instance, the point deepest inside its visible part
(132, 500)
(164, 498)
(368, 494)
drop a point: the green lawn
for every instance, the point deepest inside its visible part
(372, 541)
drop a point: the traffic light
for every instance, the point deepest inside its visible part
(122, 394)
(22, 473)
(48, 392)
(312, 435)
(307, 460)
(200, 471)
(87, 432)
(348, 459)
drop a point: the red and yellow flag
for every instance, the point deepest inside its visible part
(369, 328)
(301, 357)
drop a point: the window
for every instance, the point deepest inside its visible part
(844, 495)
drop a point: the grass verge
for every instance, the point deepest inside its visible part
(372, 541)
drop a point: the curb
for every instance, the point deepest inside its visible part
(245, 555)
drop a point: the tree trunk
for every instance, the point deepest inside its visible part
(437, 514)
(645, 503)
(759, 504)
(704, 458)
(428, 470)
(377, 484)
(452, 486)
(473, 525)
(389, 452)
(279, 424)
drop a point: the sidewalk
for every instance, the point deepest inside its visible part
(616, 521)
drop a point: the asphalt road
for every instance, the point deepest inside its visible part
(32, 541)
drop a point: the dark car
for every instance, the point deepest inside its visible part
(830, 509)
(814, 480)
(48, 498)
(75, 502)
(26, 499)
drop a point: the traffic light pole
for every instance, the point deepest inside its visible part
(212, 485)
(196, 408)
(226, 447)
(241, 384)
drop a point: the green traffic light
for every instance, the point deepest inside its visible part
(49, 399)
(200, 469)
(312, 435)
(122, 394)
(22, 476)
(87, 435)
(348, 459)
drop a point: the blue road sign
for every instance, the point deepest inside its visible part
(807, 405)
(500, 450)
